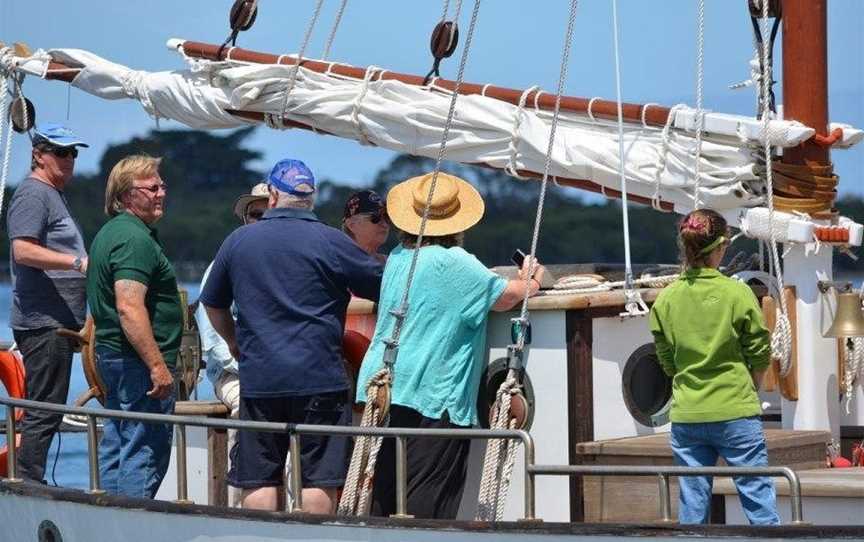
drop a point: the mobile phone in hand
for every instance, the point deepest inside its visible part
(518, 258)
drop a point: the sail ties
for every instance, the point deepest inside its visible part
(358, 102)
(512, 167)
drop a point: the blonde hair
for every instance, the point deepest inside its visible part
(137, 166)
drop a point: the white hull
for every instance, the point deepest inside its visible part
(79, 517)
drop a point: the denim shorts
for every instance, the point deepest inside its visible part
(258, 458)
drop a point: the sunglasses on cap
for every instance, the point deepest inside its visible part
(62, 152)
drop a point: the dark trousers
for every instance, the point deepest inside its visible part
(47, 366)
(436, 469)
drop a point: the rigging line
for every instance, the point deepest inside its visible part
(628, 271)
(442, 149)
(446, 9)
(333, 30)
(293, 79)
(562, 79)
(781, 338)
(700, 113)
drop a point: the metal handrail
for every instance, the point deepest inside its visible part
(294, 431)
(530, 469)
(663, 474)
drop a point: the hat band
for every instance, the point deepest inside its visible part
(438, 212)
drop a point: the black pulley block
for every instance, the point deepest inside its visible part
(22, 122)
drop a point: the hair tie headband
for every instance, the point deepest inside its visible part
(711, 246)
(692, 222)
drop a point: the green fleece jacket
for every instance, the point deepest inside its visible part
(709, 333)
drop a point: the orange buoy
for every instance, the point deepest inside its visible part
(12, 376)
(354, 346)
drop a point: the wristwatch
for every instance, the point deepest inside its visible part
(77, 263)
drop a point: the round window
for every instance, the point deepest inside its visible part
(647, 389)
(493, 376)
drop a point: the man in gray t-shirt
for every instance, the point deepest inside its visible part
(49, 263)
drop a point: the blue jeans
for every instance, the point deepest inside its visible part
(741, 443)
(133, 456)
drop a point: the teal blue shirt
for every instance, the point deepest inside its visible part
(443, 341)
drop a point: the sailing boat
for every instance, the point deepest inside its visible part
(580, 337)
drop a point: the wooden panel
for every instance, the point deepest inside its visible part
(772, 376)
(580, 398)
(789, 383)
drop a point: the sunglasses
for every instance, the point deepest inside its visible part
(153, 189)
(376, 218)
(257, 214)
(63, 152)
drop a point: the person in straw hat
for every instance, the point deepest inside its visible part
(437, 372)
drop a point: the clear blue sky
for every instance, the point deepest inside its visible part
(517, 44)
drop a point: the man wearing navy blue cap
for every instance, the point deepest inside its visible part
(291, 278)
(48, 262)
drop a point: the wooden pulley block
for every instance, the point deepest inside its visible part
(22, 114)
(775, 8)
(382, 401)
(243, 14)
(445, 38)
(518, 411)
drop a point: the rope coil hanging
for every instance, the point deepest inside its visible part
(501, 454)
(358, 487)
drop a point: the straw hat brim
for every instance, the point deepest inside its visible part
(243, 202)
(403, 215)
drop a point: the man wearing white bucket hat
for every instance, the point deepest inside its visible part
(442, 345)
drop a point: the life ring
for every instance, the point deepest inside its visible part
(12, 376)
(354, 346)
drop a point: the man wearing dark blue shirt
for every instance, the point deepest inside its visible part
(289, 276)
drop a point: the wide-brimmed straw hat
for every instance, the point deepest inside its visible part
(258, 192)
(456, 205)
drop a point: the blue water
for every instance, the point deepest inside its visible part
(71, 462)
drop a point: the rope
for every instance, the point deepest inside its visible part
(500, 456)
(575, 284)
(664, 154)
(366, 448)
(333, 30)
(513, 146)
(293, 79)
(781, 339)
(6, 74)
(854, 368)
(700, 113)
(358, 101)
(633, 303)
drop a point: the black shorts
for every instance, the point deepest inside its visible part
(258, 458)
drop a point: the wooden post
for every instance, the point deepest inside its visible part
(580, 398)
(217, 466)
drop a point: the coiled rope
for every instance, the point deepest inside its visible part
(6, 76)
(358, 487)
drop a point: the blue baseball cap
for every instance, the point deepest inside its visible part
(292, 177)
(58, 135)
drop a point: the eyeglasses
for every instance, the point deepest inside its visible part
(153, 189)
(63, 152)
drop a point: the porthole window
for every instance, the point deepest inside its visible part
(647, 389)
(493, 376)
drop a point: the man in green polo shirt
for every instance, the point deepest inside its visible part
(132, 292)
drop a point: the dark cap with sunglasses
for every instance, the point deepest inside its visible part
(258, 192)
(365, 202)
(58, 137)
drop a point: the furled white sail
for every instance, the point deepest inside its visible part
(659, 164)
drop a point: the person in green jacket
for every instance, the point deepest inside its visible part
(711, 339)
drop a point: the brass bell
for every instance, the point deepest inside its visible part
(848, 320)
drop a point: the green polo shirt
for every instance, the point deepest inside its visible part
(709, 333)
(127, 248)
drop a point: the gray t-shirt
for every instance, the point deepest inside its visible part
(54, 298)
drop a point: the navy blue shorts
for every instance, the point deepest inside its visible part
(258, 458)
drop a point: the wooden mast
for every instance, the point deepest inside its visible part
(805, 76)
